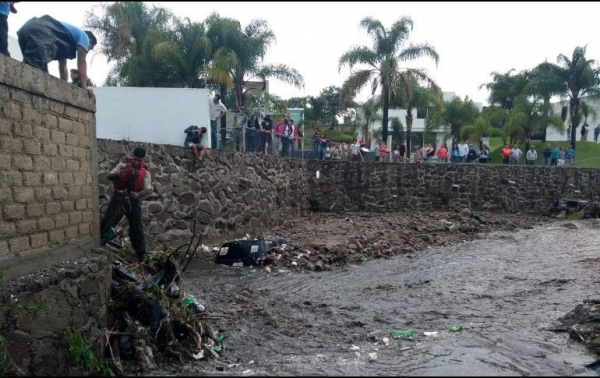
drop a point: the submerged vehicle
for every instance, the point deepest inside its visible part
(246, 252)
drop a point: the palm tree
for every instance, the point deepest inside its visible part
(238, 55)
(408, 94)
(574, 79)
(531, 115)
(478, 129)
(453, 116)
(368, 114)
(186, 50)
(123, 29)
(383, 61)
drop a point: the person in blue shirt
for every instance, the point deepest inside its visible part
(45, 39)
(6, 7)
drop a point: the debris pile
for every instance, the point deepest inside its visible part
(154, 319)
(582, 324)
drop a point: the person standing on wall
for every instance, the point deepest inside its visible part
(6, 7)
(45, 39)
(217, 110)
(132, 182)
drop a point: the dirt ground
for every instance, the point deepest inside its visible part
(328, 240)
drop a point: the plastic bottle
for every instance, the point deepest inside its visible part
(252, 270)
(455, 328)
(402, 334)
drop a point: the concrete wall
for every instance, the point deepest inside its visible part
(151, 115)
(48, 187)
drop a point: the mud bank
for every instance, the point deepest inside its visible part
(506, 290)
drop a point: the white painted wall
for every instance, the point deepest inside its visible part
(14, 49)
(153, 115)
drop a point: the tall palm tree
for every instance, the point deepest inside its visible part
(408, 94)
(573, 79)
(239, 53)
(186, 50)
(383, 61)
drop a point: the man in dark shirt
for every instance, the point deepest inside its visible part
(266, 126)
(193, 140)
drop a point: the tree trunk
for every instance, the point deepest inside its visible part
(384, 120)
(573, 108)
(409, 120)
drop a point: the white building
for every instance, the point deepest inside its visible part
(418, 124)
(152, 115)
(553, 135)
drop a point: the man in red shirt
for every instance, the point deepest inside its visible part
(505, 154)
(132, 182)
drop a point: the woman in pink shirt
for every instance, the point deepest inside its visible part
(442, 153)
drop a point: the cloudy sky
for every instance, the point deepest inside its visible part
(472, 39)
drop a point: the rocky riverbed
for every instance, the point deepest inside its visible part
(506, 284)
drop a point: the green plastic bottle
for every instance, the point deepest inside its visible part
(408, 334)
(455, 328)
(252, 270)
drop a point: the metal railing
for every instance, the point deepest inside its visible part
(247, 140)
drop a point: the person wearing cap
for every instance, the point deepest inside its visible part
(132, 182)
(193, 140)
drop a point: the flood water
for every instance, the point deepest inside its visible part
(504, 290)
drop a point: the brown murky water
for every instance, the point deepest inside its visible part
(504, 290)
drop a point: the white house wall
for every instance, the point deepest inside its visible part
(152, 115)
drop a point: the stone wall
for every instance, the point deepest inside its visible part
(231, 194)
(228, 194)
(48, 195)
(36, 310)
(345, 186)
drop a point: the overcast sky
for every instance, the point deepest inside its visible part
(472, 39)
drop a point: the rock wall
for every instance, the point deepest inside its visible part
(345, 186)
(48, 197)
(36, 309)
(228, 194)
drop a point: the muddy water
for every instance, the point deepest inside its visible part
(504, 290)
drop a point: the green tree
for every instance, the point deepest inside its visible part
(453, 116)
(409, 95)
(383, 61)
(368, 114)
(266, 103)
(530, 115)
(573, 80)
(123, 30)
(478, 129)
(397, 130)
(239, 53)
(332, 105)
(186, 50)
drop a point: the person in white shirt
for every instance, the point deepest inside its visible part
(531, 156)
(463, 151)
(216, 110)
(515, 155)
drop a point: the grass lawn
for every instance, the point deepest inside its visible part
(587, 154)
